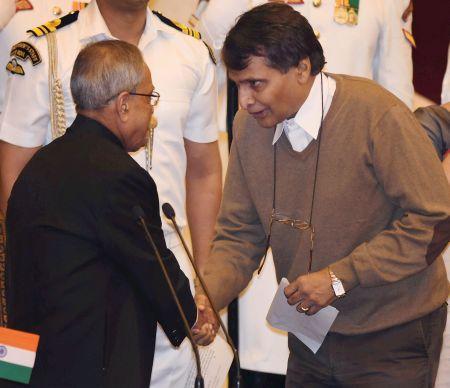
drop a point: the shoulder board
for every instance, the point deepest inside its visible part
(185, 30)
(54, 25)
(178, 26)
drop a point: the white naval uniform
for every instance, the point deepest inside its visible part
(445, 95)
(7, 11)
(184, 75)
(179, 10)
(376, 49)
(15, 31)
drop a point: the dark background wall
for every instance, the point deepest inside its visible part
(431, 30)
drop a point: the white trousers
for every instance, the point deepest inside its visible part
(170, 364)
(262, 348)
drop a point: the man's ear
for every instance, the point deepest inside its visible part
(121, 106)
(303, 70)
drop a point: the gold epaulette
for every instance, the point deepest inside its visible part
(178, 26)
(54, 25)
(185, 30)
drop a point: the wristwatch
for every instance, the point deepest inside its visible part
(337, 285)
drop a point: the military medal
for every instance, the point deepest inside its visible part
(340, 12)
(352, 17)
(353, 9)
(317, 3)
(78, 5)
(23, 5)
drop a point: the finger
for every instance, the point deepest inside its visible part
(313, 310)
(295, 298)
(290, 289)
(303, 308)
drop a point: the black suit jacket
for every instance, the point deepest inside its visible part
(79, 270)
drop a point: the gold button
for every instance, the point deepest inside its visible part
(317, 33)
(56, 10)
(317, 3)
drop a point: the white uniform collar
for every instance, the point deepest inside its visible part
(309, 115)
(93, 26)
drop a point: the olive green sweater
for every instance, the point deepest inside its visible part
(381, 210)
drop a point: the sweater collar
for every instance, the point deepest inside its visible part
(308, 118)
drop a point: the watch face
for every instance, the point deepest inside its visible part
(338, 288)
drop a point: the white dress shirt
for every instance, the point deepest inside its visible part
(301, 129)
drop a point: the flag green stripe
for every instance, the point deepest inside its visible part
(15, 372)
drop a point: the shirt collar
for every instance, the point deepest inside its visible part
(94, 28)
(309, 115)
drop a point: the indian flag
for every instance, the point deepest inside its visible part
(17, 354)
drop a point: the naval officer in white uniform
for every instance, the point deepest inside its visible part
(30, 13)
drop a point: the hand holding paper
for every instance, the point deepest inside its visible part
(310, 292)
(311, 330)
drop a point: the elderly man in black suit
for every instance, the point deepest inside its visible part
(80, 272)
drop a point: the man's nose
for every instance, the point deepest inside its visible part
(245, 98)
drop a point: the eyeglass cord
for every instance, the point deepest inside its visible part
(316, 168)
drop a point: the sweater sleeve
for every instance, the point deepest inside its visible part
(435, 120)
(408, 170)
(240, 240)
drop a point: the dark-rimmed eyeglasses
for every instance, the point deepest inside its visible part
(153, 98)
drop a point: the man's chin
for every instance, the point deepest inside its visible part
(266, 122)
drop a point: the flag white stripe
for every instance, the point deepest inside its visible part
(17, 356)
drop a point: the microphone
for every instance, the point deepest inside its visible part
(169, 212)
(139, 215)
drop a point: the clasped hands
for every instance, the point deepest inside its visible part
(310, 292)
(205, 329)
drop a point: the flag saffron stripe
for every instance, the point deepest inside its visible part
(13, 372)
(19, 339)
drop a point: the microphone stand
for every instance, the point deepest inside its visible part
(139, 214)
(169, 212)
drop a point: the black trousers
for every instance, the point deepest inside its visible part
(253, 379)
(404, 356)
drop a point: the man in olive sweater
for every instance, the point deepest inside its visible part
(335, 174)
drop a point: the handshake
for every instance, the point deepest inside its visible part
(207, 326)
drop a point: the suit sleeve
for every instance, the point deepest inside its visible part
(124, 242)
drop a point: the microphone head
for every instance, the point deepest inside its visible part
(138, 212)
(168, 210)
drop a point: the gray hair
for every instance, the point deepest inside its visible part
(103, 70)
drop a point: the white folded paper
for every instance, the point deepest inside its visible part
(310, 329)
(215, 360)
